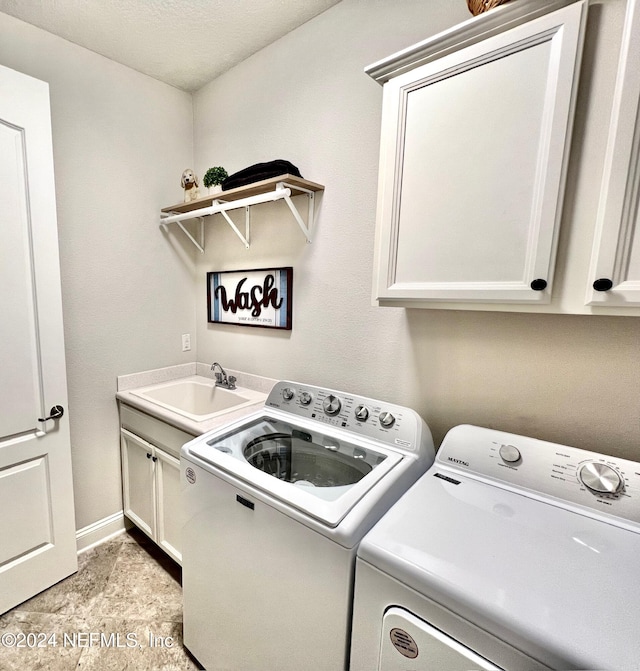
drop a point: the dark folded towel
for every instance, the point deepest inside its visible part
(258, 172)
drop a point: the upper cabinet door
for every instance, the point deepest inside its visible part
(473, 159)
(614, 277)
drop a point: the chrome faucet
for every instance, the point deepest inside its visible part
(222, 379)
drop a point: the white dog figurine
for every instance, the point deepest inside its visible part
(189, 183)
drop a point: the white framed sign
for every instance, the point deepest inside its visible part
(251, 297)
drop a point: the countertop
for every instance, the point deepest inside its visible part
(128, 383)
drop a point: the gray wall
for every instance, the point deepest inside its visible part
(571, 379)
(120, 141)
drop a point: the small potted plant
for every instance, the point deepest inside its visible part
(213, 178)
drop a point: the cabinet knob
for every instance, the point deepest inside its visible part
(603, 284)
(148, 455)
(538, 285)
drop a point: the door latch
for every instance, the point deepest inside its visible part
(55, 413)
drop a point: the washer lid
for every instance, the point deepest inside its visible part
(559, 585)
(324, 474)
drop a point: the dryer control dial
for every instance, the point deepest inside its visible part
(305, 398)
(331, 405)
(600, 478)
(362, 413)
(288, 393)
(509, 453)
(387, 420)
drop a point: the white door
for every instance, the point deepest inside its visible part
(37, 524)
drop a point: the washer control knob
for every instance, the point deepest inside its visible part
(600, 478)
(362, 413)
(387, 420)
(331, 405)
(509, 453)
(288, 393)
(305, 398)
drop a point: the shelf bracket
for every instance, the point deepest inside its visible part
(243, 238)
(305, 228)
(199, 245)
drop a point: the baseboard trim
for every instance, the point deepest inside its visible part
(100, 531)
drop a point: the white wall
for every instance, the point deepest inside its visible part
(571, 379)
(121, 141)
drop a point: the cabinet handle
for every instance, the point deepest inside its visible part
(154, 458)
(245, 502)
(148, 455)
(538, 285)
(55, 413)
(603, 284)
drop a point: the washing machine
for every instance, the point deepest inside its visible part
(509, 553)
(275, 505)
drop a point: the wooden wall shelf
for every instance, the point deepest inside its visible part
(283, 187)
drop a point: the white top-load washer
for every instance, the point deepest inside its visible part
(509, 553)
(275, 505)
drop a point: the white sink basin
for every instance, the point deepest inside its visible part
(198, 398)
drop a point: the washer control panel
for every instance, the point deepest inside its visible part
(399, 427)
(606, 484)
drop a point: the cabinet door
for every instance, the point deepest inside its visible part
(169, 505)
(472, 169)
(138, 482)
(614, 277)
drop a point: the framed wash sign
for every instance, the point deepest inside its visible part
(251, 297)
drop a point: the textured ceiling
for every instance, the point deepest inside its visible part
(185, 43)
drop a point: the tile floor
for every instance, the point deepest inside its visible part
(115, 614)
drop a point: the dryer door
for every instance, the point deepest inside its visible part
(410, 644)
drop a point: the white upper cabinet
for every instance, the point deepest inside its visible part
(476, 126)
(614, 277)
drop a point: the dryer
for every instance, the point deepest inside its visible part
(275, 505)
(509, 553)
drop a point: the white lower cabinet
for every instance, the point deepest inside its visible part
(169, 516)
(138, 476)
(151, 478)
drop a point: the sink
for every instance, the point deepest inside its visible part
(198, 398)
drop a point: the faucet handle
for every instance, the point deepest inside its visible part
(232, 381)
(218, 377)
